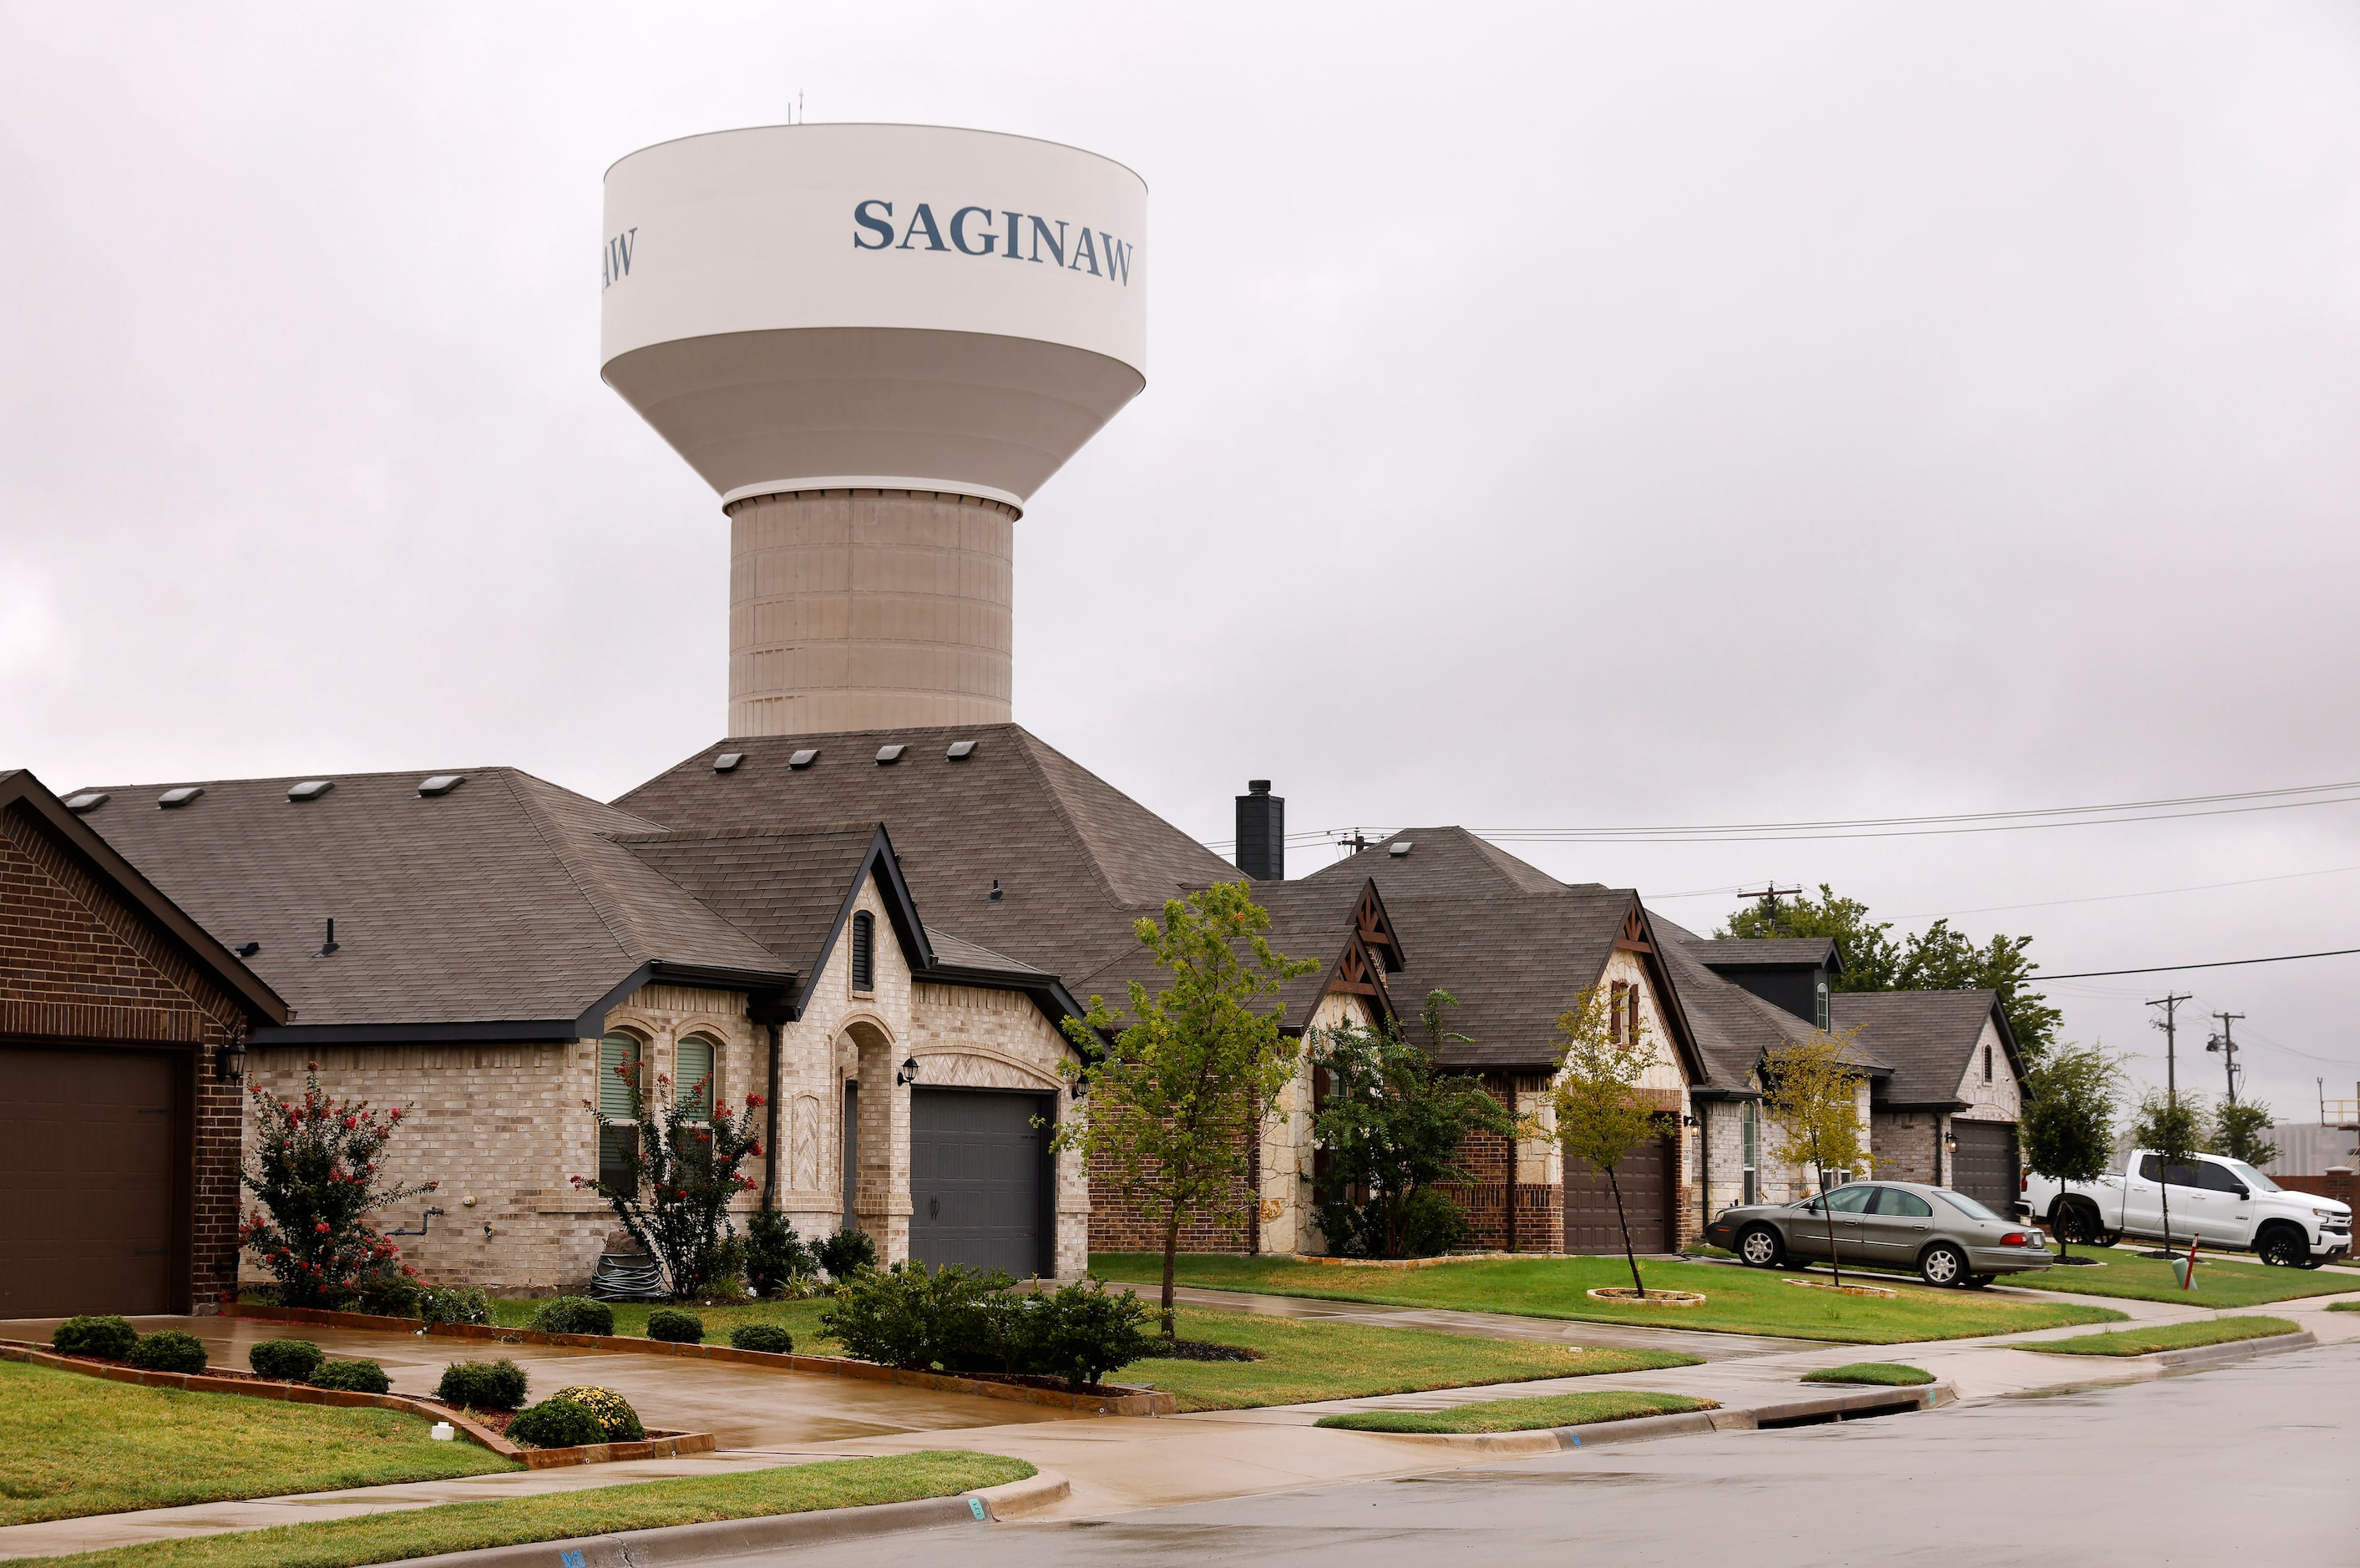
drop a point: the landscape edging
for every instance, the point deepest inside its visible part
(1129, 1401)
(668, 1446)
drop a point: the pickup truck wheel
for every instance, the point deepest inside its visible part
(2282, 1246)
(2076, 1223)
(2106, 1238)
(1942, 1264)
(1759, 1248)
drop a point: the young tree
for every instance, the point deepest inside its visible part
(314, 1177)
(2177, 1127)
(1601, 1112)
(2067, 1126)
(1392, 1123)
(679, 1176)
(1811, 1095)
(1177, 1094)
(2241, 1131)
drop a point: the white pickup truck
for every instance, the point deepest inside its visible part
(2214, 1201)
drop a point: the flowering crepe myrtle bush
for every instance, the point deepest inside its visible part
(678, 1178)
(315, 1175)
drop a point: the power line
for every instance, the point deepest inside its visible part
(2171, 968)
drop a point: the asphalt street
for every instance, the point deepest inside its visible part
(2252, 1464)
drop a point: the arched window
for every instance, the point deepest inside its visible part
(1750, 1125)
(620, 1065)
(1987, 1064)
(1823, 1005)
(693, 1065)
(864, 952)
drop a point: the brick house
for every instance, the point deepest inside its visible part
(121, 1021)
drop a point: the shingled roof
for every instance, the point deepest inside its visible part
(497, 910)
(1075, 860)
(1734, 1027)
(1929, 1037)
(1446, 860)
(1769, 953)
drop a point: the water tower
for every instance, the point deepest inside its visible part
(875, 342)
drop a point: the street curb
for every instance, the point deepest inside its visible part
(2197, 1358)
(688, 1544)
(1685, 1423)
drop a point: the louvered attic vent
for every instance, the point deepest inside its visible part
(1398, 850)
(960, 751)
(179, 797)
(310, 789)
(88, 801)
(804, 757)
(889, 755)
(727, 761)
(441, 783)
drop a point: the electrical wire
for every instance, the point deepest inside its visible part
(2215, 964)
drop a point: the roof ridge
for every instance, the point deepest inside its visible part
(534, 815)
(1058, 803)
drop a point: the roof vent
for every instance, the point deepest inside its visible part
(179, 797)
(88, 801)
(889, 755)
(804, 757)
(1400, 847)
(441, 783)
(727, 761)
(960, 751)
(310, 789)
(994, 895)
(247, 949)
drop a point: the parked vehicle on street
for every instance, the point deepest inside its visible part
(1944, 1237)
(2215, 1201)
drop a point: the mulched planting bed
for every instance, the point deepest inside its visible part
(1201, 1350)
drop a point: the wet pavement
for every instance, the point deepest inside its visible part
(1489, 1326)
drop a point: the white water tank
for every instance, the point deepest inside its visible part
(875, 342)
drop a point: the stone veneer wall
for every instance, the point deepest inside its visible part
(85, 966)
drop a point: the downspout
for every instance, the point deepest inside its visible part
(770, 1134)
(1704, 1169)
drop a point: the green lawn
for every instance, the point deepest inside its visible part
(72, 1445)
(1884, 1374)
(2166, 1336)
(1523, 1415)
(2219, 1282)
(1742, 1301)
(1305, 1361)
(2343, 1306)
(558, 1516)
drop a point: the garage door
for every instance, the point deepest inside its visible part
(90, 1149)
(1985, 1166)
(1645, 1178)
(979, 1180)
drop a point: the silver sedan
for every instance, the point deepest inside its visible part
(1944, 1237)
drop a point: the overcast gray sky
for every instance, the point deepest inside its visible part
(1556, 415)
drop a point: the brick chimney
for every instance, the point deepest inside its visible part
(1261, 832)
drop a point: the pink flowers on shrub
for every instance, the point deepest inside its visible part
(314, 1162)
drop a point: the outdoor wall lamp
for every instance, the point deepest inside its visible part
(909, 1073)
(229, 1059)
(1689, 1120)
(1950, 1143)
(1081, 1086)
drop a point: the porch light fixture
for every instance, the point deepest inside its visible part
(229, 1059)
(1689, 1120)
(909, 1073)
(1081, 1085)
(1950, 1143)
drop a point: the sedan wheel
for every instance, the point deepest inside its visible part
(1942, 1265)
(1759, 1248)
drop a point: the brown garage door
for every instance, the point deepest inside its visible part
(1985, 1166)
(92, 1141)
(1645, 1178)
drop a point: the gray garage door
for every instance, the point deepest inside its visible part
(978, 1179)
(1985, 1166)
(1645, 1176)
(91, 1143)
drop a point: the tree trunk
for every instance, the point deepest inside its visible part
(1171, 1263)
(1629, 1253)
(1828, 1213)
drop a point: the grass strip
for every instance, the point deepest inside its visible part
(2220, 1282)
(72, 1446)
(1884, 1374)
(2343, 1306)
(2166, 1336)
(1739, 1301)
(1523, 1415)
(558, 1515)
(1305, 1361)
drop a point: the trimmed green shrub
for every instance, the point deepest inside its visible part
(1079, 1333)
(674, 1327)
(846, 1253)
(766, 1336)
(352, 1376)
(391, 1291)
(454, 1303)
(289, 1360)
(575, 1315)
(772, 1254)
(111, 1337)
(904, 1316)
(555, 1423)
(616, 1417)
(170, 1351)
(482, 1385)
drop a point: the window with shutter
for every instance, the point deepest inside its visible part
(864, 952)
(693, 1076)
(619, 1073)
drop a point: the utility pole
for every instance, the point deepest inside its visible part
(2226, 1044)
(2169, 1025)
(1770, 895)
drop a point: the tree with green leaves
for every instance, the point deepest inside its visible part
(1938, 958)
(1183, 1078)
(1811, 1093)
(1393, 1124)
(1602, 1112)
(2177, 1127)
(2241, 1131)
(2068, 1123)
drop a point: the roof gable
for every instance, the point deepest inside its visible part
(1441, 860)
(1929, 1037)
